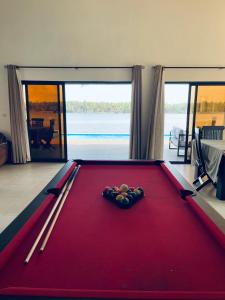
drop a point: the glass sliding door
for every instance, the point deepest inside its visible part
(207, 108)
(175, 122)
(46, 121)
(190, 105)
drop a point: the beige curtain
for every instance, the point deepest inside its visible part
(156, 117)
(135, 130)
(20, 143)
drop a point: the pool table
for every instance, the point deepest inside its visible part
(163, 247)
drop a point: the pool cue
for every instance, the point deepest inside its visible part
(47, 221)
(57, 213)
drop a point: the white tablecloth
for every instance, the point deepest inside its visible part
(212, 151)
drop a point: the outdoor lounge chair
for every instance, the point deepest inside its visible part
(177, 140)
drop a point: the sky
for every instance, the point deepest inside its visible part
(98, 92)
(174, 93)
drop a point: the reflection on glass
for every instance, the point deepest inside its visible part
(44, 122)
(210, 106)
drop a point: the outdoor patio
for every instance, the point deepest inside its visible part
(110, 149)
(171, 154)
(91, 149)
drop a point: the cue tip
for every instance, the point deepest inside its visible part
(27, 259)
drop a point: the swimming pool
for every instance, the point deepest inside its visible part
(102, 136)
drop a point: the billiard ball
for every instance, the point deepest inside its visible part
(114, 194)
(124, 188)
(133, 194)
(130, 197)
(126, 201)
(116, 189)
(120, 197)
(137, 191)
(141, 191)
(107, 190)
(124, 194)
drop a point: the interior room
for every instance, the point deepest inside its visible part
(112, 116)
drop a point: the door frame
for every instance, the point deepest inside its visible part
(63, 84)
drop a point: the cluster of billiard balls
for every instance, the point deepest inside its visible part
(123, 196)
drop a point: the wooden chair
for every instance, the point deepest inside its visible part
(212, 132)
(200, 164)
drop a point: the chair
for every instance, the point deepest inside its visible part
(48, 133)
(177, 140)
(37, 122)
(212, 132)
(200, 164)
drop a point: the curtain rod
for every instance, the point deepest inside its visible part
(191, 67)
(75, 67)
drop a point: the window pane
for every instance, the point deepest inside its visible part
(98, 120)
(175, 122)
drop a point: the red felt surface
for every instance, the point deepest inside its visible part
(158, 249)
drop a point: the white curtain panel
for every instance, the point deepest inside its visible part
(135, 130)
(156, 117)
(19, 135)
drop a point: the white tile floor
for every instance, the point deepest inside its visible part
(171, 154)
(99, 150)
(20, 184)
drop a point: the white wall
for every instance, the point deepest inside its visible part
(110, 32)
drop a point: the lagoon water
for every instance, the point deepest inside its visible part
(107, 135)
(113, 123)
